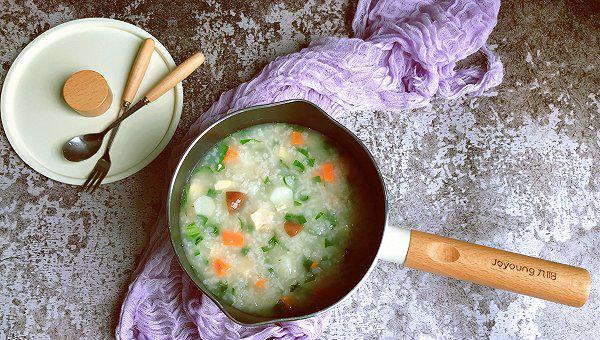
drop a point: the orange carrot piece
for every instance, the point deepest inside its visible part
(297, 138)
(314, 264)
(232, 238)
(221, 267)
(231, 155)
(292, 228)
(327, 170)
(287, 300)
(260, 283)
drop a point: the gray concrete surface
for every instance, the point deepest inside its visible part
(518, 169)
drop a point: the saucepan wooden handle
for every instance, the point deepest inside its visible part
(176, 76)
(138, 69)
(499, 269)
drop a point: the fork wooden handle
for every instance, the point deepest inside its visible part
(138, 70)
(176, 76)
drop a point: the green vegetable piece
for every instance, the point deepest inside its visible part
(212, 193)
(244, 141)
(294, 287)
(266, 181)
(310, 162)
(247, 227)
(221, 151)
(328, 216)
(202, 219)
(245, 251)
(233, 291)
(304, 152)
(329, 242)
(300, 219)
(299, 165)
(196, 253)
(303, 197)
(215, 230)
(282, 163)
(272, 242)
(307, 263)
(289, 180)
(317, 179)
(184, 197)
(221, 288)
(198, 239)
(297, 203)
(203, 168)
(271, 270)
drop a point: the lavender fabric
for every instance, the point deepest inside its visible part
(404, 52)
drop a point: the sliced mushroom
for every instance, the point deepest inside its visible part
(292, 228)
(235, 200)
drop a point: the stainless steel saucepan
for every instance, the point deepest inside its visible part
(377, 240)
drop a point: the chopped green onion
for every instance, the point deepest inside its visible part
(289, 180)
(300, 219)
(317, 179)
(222, 151)
(184, 197)
(310, 162)
(272, 242)
(282, 163)
(297, 203)
(307, 263)
(202, 219)
(303, 198)
(233, 291)
(303, 151)
(212, 193)
(245, 251)
(247, 227)
(244, 141)
(215, 229)
(299, 165)
(203, 168)
(266, 181)
(328, 216)
(271, 270)
(196, 253)
(221, 288)
(329, 242)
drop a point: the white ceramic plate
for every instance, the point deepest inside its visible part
(37, 121)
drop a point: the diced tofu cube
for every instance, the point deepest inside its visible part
(223, 184)
(262, 217)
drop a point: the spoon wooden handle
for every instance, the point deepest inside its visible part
(176, 76)
(138, 70)
(499, 269)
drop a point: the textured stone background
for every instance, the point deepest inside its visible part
(519, 169)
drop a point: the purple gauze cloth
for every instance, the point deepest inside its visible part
(404, 52)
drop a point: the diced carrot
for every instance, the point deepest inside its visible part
(232, 238)
(314, 264)
(287, 300)
(235, 200)
(297, 138)
(260, 283)
(292, 228)
(231, 155)
(327, 170)
(221, 267)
